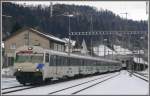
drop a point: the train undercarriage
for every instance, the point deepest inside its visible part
(37, 78)
(29, 77)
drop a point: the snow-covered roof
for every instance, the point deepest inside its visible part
(121, 50)
(49, 36)
(139, 60)
(102, 50)
(2, 44)
(71, 41)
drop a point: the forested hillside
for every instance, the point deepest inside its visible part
(39, 17)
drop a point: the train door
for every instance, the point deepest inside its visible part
(79, 66)
(82, 66)
(52, 68)
(46, 65)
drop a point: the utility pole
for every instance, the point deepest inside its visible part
(69, 30)
(105, 44)
(51, 9)
(69, 37)
(147, 12)
(147, 7)
(91, 28)
(126, 24)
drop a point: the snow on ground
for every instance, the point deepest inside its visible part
(142, 75)
(144, 72)
(120, 85)
(7, 72)
(8, 82)
(2, 44)
(54, 87)
(77, 88)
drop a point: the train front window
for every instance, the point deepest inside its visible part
(34, 58)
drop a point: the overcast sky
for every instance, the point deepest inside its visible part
(136, 9)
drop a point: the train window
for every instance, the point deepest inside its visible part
(71, 61)
(57, 60)
(46, 57)
(65, 61)
(82, 63)
(76, 62)
(54, 60)
(51, 60)
(62, 60)
(87, 62)
(68, 61)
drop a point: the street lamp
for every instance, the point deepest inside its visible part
(91, 29)
(69, 28)
(125, 26)
(69, 16)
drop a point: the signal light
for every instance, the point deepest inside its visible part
(30, 48)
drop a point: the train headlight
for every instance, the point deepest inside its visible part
(19, 69)
(37, 69)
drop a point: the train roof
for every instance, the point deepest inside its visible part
(38, 49)
(79, 56)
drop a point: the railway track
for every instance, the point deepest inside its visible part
(96, 81)
(16, 88)
(21, 87)
(135, 74)
(12, 87)
(140, 77)
(142, 74)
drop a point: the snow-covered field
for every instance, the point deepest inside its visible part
(7, 72)
(50, 88)
(122, 84)
(9, 82)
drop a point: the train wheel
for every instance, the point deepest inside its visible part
(47, 80)
(24, 84)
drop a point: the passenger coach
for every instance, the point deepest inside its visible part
(35, 64)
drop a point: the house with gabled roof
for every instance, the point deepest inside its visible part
(31, 37)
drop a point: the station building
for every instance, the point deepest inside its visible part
(31, 37)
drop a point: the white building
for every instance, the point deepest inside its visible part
(72, 43)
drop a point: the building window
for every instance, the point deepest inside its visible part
(13, 46)
(55, 46)
(62, 48)
(36, 43)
